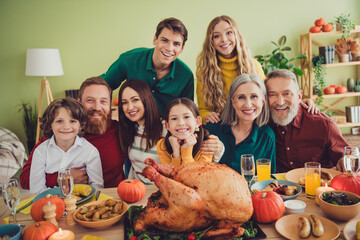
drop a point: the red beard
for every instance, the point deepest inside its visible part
(97, 126)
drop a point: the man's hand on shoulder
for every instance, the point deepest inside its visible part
(79, 175)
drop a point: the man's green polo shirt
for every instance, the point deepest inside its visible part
(260, 143)
(137, 63)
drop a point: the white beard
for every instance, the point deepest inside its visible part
(293, 110)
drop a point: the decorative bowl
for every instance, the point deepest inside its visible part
(263, 184)
(12, 230)
(338, 212)
(103, 223)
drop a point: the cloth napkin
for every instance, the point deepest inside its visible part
(280, 176)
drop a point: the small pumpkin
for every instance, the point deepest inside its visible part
(131, 190)
(39, 231)
(348, 181)
(268, 206)
(36, 209)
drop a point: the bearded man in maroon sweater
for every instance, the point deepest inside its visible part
(100, 131)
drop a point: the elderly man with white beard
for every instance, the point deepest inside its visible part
(300, 136)
(100, 131)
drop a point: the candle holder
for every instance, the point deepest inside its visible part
(62, 235)
(49, 211)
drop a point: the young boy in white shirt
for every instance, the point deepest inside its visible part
(63, 124)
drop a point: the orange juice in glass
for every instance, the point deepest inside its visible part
(312, 178)
(263, 169)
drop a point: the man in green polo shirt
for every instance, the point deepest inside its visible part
(167, 76)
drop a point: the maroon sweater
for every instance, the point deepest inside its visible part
(112, 159)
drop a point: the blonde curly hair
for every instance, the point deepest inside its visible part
(207, 65)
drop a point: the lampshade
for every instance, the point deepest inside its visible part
(43, 62)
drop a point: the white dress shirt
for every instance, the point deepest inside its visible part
(49, 158)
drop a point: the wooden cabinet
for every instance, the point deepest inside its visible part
(308, 41)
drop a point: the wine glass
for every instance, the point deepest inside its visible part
(351, 159)
(11, 195)
(247, 167)
(66, 182)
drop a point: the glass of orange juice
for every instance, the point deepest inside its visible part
(312, 178)
(263, 169)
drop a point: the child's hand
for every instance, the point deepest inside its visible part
(190, 141)
(175, 144)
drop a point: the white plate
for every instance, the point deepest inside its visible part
(287, 226)
(350, 229)
(295, 174)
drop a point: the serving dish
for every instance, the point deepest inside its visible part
(12, 230)
(287, 226)
(101, 223)
(57, 191)
(340, 212)
(263, 184)
(295, 174)
(349, 230)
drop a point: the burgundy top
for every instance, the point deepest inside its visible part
(112, 159)
(308, 138)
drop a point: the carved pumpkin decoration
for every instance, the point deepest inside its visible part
(39, 231)
(36, 209)
(131, 190)
(348, 181)
(268, 206)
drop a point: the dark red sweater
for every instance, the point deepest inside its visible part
(112, 159)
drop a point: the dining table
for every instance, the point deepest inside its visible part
(116, 231)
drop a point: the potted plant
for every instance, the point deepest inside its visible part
(344, 23)
(29, 123)
(354, 45)
(319, 77)
(342, 49)
(278, 60)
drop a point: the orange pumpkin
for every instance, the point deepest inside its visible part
(36, 209)
(268, 206)
(348, 181)
(39, 231)
(131, 190)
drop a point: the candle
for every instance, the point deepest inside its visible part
(320, 190)
(62, 235)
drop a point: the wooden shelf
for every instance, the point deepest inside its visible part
(341, 64)
(356, 30)
(342, 95)
(348, 124)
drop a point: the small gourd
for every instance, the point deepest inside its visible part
(357, 88)
(350, 84)
(268, 206)
(348, 181)
(40, 230)
(131, 190)
(37, 212)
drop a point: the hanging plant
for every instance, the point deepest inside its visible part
(319, 77)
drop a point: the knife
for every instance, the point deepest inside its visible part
(97, 195)
(25, 206)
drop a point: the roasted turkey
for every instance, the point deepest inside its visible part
(194, 196)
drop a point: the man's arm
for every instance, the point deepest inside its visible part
(116, 73)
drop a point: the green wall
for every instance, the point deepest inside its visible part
(91, 34)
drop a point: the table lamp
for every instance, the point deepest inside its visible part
(43, 62)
